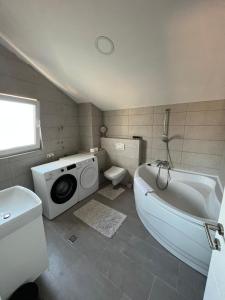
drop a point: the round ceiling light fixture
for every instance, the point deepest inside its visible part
(104, 45)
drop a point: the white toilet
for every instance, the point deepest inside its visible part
(115, 174)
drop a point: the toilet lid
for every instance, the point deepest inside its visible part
(114, 172)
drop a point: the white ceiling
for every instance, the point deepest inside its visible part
(166, 51)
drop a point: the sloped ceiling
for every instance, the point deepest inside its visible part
(166, 51)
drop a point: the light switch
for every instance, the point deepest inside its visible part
(120, 146)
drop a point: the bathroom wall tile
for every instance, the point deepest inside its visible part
(176, 118)
(51, 133)
(85, 131)
(195, 128)
(20, 166)
(5, 184)
(56, 110)
(51, 120)
(202, 160)
(16, 68)
(162, 154)
(202, 146)
(53, 145)
(90, 120)
(118, 131)
(120, 112)
(199, 169)
(5, 172)
(129, 158)
(85, 120)
(70, 131)
(84, 109)
(216, 133)
(206, 105)
(13, 86)
(215, 117)
(116, 120)
(146, 119)
(86, 144)
(6, 54)
(70, 110)
(143, 131)
(70, 121)
(174, 144)
(51, 107)
(180, 107)
(24, 180)
(141, 110)
(71, 144)
(176, 132)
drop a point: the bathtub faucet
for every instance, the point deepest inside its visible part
(163, 164)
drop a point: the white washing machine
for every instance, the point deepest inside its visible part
(56, 184)
(87, 173)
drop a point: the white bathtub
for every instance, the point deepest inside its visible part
(175, 216)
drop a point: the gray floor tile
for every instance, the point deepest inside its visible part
(71, 275)
(125, 297)
(162, 291)
(191, 283)
(132, 278)
(131, 265)
(159, 263)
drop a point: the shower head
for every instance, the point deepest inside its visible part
(166, 126)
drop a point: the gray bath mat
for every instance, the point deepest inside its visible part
(111, 193)
(102, 218)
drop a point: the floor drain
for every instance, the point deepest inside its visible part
(72, 239)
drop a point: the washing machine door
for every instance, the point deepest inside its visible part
(88, 177)
(63, 188)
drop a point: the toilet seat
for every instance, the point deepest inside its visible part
(115, 174)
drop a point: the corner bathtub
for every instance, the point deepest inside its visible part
(175, 217)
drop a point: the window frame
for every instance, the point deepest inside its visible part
(28, 148)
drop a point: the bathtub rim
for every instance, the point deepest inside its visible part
(217, 177)
(172, 208)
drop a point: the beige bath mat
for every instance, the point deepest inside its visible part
(111, 193)
(102, 218)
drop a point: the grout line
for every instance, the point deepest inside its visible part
(153, 283)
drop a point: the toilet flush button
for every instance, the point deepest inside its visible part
(120, 146)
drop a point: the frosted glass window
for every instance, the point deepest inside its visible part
(19, 125)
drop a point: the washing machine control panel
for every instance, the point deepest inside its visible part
(85, 162)
(70, 167)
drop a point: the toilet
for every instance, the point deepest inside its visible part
(115, 174)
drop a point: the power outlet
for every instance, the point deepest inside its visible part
(50, 155)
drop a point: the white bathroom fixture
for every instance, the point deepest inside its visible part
(23, 253)
(56, 185)
(176, 217)
(115, 174)
(87, 173)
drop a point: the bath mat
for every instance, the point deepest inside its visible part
(102, 218)
(111, 193)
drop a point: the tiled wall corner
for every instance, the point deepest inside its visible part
(90, 120)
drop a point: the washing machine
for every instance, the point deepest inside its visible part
(87, 173)
(56, 184)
